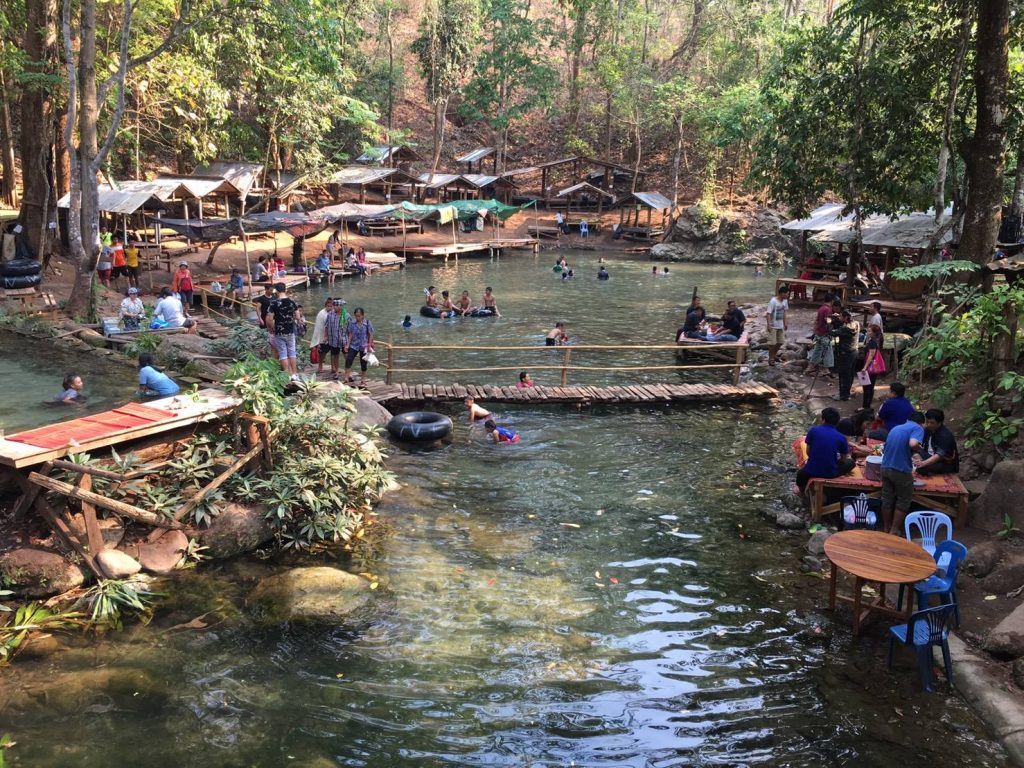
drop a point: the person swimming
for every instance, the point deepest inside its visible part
(476, 413)
(556, 336)
(602, 274)
(407, 323)
(500, 434)
(71, 387)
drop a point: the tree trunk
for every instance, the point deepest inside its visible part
(985, 151)
(8, 184)
(578, 39)
(1017, 203)
(440, 111)
(38, 200)
(675, 163)
(1004, 347)
(966, 23)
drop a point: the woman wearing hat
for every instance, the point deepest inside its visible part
(132, 310)
(182, 285)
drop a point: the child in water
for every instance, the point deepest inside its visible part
(72, 387)
(407, 323)
(476, 413)
(500, 434)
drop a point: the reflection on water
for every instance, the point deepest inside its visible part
(32, 376)
(581, 598)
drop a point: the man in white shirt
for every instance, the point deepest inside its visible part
(876, 319)
(777, 323)
(170, 310)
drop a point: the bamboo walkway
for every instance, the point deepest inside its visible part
(413, 394)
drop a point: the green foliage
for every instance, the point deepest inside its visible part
(933, 270)
(1008, 530)
(26, 619)
(142, 342)
(260, 385)
(996, 423)
(444, 47)
(243, 339)
(109, 599)
(6, 742)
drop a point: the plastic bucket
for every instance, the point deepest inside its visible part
(873, 468)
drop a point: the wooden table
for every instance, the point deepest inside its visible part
(835, 287)
(875, 557)
(913, 310)
(942, 493)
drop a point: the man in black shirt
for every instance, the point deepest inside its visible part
(694, 317)
(741, 318)
(939, 448)
(281, 323)
(263, 303)
(845, 331)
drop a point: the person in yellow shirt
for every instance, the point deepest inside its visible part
(131, 259)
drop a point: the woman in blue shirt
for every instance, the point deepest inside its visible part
(152, 381)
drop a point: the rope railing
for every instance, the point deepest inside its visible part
(566, 365)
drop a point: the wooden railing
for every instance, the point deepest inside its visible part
(565, 366)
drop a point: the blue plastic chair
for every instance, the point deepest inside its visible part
(928, 523)
(860, 506)
(925, 629)
(943, 583)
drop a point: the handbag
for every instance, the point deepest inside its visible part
(877, 364)
(314, 354)
(864, 378)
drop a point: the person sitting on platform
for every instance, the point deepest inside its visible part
(894, 411)
(323, 266)
(279, 268)
(153, 382)
(500, 434)
(261, 272)
(828, 452)
(939, 449)
(857, 426)
(695, 314)
(740, 317)
(729, 330)
(447, 307)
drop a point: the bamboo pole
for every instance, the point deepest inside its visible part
(574, 367)
(118, 507)
(566, 357)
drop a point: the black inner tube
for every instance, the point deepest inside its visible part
(420, 425)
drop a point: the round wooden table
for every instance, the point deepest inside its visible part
(872, 556)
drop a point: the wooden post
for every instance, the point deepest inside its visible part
(739, 363)
(205, 301)
(566, 356)
(391, 363)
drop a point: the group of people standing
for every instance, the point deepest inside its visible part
(336, 332)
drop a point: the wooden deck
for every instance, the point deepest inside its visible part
(99, 430)
(482, 248)
(412, 394)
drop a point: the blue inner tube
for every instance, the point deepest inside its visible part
(481, 312)
(430, 311)
(420, 426)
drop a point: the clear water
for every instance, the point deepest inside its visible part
(632, 307)
(603, 593)
(32, 377)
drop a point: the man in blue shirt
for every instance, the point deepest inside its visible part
(898, 471)
(828, 453)
(894, 411)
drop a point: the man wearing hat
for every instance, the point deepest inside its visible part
(132, 310)
(334, 333)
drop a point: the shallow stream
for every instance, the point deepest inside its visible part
(603, 593)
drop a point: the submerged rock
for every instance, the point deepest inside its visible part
(38, 573)
(237, 529)
(311, 595)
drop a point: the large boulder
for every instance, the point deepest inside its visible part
(38, 573)
(116, 564)
(239, 528)
(309, 595)
(697, 223)
(163, 555)
(982, 558)
(1006, 641)
(1001, 497)
(1008, 574)
(368, 413)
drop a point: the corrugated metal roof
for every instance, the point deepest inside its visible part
(844, 231)
(476, 154)
(381, 154)
(199, 186)
(243, 175)
(438, 179)
(481, 180)
(521, 171)
(129, 197)
(361, 174)
(654, 200)
(583, 185)
(820, 217)
(912, 231)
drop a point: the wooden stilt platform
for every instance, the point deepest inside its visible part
(482, 248)
(411, 394)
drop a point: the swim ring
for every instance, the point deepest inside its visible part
(420, 426)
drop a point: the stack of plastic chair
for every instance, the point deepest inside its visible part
(859, 512)
(925, 629)
(929, 523)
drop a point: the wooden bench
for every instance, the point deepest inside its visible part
(29, 301)
(727, 351)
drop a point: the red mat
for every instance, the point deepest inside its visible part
(127, 416)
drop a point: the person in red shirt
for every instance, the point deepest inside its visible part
(183, 285)
(822, 355)
(118, 262)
